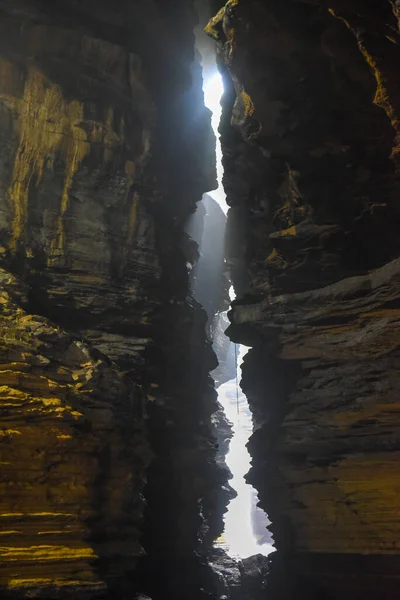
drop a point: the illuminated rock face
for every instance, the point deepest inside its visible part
(105, 148)
(311, 173)
(73, 455)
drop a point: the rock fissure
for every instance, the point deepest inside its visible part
(112, 476)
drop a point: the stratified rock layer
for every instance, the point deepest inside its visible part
(105, 148)
(72, 457)
(311, 173)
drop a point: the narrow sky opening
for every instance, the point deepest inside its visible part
(245, 532)
(213, 88)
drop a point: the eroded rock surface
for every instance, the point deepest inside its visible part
(310, 141)
(105, 148)
(73, 456)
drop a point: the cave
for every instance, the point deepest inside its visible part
(199, 299)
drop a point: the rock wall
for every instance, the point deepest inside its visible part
(310, 141)
(73, 455)
(105, 148)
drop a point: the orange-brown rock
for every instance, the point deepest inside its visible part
(105, 148)
(73, 456)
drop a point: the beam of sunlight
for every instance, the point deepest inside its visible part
(245, 524)
(213, 88)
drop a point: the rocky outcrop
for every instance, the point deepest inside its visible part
(239, 579)
(73, 456)
(100, 108)
(185, 494)
(208, 279)
(311, 174)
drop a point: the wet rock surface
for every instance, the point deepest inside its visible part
(239, 579)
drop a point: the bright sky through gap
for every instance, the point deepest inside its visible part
(245, 532)
(213, 89)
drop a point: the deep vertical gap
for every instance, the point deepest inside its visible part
(245, 524)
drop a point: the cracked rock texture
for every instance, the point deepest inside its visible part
(310, 141)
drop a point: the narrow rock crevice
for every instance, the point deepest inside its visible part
(114, 289)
